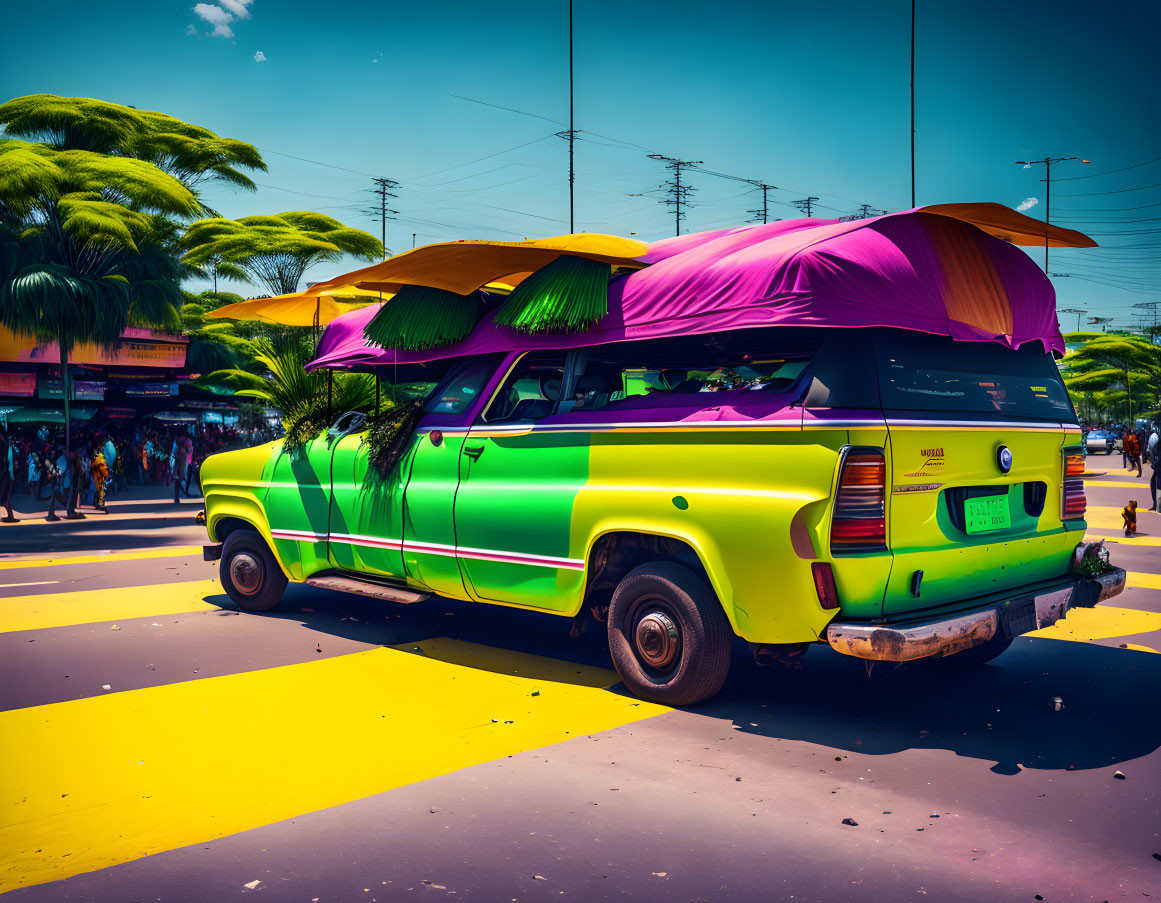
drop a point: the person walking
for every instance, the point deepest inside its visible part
(35, 473)
(1133, 451)
(1154, 450)
(52, 475)
(109, 450)
(7, 475)
(74, 465)
(100, 472)
(179, 463)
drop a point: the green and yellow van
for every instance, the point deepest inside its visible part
(894, 494)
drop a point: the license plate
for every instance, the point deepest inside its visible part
(988, 513)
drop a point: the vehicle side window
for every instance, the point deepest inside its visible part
(460, 387)
(531, 390)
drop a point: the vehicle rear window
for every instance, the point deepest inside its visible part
(920, 372)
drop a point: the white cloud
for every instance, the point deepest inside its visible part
(221, 18)
(192, 30)
(260, 57)
(1027, 204)
(378, 56)
(237, 7)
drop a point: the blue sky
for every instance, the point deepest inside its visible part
(809, 97)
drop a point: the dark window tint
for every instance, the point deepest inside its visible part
(919, 372)
(461, 386)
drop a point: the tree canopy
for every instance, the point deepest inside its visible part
(275, 250)
(1111, 371)
(190, 153)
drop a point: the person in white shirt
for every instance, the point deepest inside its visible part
(1153, 450)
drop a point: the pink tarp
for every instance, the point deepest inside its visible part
(909, 270)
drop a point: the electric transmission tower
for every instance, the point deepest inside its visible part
(806, 205)
(762, 214)
(1150, 306)
(383, 192)
(678, 193)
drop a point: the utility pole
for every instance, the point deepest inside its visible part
(764, 213)
(1047, 180)
(865, 211)
(569, 134)
(1147, 306)
(679, 194)
(1073, 310)
(384, 190)
(912, 103)
(806, 205)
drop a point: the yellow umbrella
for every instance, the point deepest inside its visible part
(310, 308)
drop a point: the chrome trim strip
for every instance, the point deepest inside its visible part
(446, 551)
(298, 535)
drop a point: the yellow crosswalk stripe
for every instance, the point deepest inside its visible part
(1101, 623)
(131, 555)
(94, 782)
(37, 612)
(1121, 484)
(1144, 581)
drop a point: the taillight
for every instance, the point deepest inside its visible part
(1072, 500)
(860, 507)
(824, 584)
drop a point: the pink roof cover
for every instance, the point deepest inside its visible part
(908, 270)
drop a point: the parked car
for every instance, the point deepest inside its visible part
(723, 461)
(1102, 441)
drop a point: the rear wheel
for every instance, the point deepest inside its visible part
(249, 572)
(976, 655)
(669, 639)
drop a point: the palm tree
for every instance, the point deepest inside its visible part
(275, 250)
(88, 239)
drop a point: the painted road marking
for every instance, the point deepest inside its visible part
(1119, 484)
(94, 516)
(1101, 623)
(130, 555)
(1144, 581)
(168, 766)
(31, 583)
(1122, 539)
(38, 612)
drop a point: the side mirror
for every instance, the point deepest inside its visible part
(350, 422)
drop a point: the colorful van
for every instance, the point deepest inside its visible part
(894, 492)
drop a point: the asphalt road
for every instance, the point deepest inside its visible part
(158, 744)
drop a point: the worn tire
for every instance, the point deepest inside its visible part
(249, 573)
(653, 663)
(976, 655)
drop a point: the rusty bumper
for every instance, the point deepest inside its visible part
(946, 636)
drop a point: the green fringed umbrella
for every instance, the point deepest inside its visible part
(568, 295)
(419, 317)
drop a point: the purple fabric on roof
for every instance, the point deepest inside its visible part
(908, 270)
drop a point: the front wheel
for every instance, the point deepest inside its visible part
(668, 636)
(249, 572)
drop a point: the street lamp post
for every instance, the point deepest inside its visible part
(1047, 161)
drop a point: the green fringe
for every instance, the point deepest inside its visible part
(419, 317)
(389, 432)
(569, 295)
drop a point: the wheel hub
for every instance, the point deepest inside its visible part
(246, 573)
(657, 639)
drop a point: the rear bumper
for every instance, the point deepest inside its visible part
(212, 551)
(1022, 613)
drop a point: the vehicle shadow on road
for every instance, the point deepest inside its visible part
(1002, 712)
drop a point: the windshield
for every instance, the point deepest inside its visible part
(920, 372)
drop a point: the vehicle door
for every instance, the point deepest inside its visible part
(366, 533)
(518, 483)
(298, 505)
(432, 469)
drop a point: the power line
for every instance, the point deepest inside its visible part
(1093, 194)
(806, 205)
(384, 190)
(1109, 172)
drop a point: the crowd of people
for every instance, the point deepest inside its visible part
(102, 462)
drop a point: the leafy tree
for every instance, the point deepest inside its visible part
(88, 238)
(302, 397)
(276, 250)
(1109, 364)
(191, 154)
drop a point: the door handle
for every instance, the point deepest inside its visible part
(473, 451)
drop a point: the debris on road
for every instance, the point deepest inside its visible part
(250, 885)
(1119, 775)
(1055, 704)
(851, 822)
